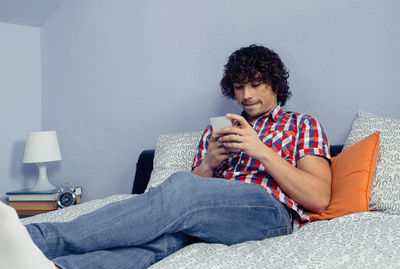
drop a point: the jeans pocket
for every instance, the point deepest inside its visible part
(278, 232)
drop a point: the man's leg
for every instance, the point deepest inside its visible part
(17, 250)
(126, 257)
(228, 212)
(213, 210)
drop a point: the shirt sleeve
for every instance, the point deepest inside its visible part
(202, 148)
(312, 139)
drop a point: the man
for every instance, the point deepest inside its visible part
(257, 79)
(249, 182)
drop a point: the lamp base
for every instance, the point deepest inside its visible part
(43, 187)
(43, 183)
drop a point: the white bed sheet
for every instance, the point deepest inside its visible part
(363, 240)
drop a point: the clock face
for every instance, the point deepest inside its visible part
(66, 199)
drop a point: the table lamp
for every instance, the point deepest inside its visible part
(41, 148)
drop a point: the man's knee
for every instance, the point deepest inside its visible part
(182, 179)
(179, 175)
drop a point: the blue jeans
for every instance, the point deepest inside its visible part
(139, 231)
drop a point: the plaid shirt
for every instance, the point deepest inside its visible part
(291, 135)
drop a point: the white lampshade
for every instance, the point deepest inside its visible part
(42, 147)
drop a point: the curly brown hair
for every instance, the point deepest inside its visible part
(256, 63)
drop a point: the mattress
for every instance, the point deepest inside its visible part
(362, 240)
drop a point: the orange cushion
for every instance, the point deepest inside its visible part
(353, 171)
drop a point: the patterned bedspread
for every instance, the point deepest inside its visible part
(363, 240)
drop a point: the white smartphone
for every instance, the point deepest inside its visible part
(220, 122)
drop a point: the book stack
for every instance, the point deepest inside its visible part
(29, 203)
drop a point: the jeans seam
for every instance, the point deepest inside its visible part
(148, 263)
(280, 230)
(220, 207)
(156, 256)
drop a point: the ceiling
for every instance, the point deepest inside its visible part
(27, 12)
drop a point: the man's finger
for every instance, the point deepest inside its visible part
(229, 131)
(233, 145)
(215, 136)
(231, 138)
(243, 122)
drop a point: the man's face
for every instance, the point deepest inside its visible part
(256, 98)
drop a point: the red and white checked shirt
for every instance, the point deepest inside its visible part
(291, 135)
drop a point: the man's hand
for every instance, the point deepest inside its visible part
(216, 153)
(241, 137)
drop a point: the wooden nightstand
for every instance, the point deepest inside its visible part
(31, 208)
(27, 208)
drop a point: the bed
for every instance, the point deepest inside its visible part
(364, 237)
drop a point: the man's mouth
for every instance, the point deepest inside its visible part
(249, 104)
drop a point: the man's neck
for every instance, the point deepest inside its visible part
(254, 120)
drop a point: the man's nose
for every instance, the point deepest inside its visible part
(247, 92)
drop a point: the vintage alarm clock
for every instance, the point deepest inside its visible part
(66, 196)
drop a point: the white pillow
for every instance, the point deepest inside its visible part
(174, 153)
(385, 195)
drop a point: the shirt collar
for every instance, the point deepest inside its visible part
(274, 114)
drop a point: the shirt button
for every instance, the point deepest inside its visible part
(242, 161)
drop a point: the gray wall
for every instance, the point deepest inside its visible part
(115, 74)
(20, 102)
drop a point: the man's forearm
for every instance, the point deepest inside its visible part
(309, 184)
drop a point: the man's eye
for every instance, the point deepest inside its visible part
(255, 85)
(238, 87)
